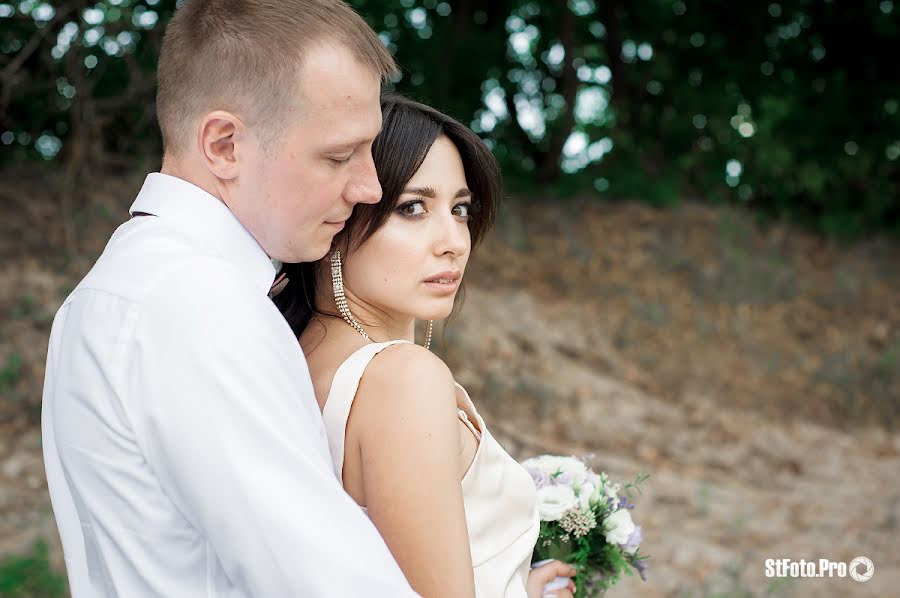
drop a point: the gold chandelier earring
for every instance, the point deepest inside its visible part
(337, 281)
(428, 331)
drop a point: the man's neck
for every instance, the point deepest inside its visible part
(192, 173)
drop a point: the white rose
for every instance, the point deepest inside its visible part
(618, 527)
(572, 466)
(551, 464)
(554, 501)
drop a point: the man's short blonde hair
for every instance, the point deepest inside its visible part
(245, 56)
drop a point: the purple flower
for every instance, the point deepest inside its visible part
(563, 478)
(624, 502)
(540, 478)
(634, 541)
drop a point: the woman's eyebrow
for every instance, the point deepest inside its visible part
(423, 191)
(431, 193)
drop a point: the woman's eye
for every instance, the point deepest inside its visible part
(463, 210)
(412, 208)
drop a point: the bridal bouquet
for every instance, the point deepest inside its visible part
(586, 522)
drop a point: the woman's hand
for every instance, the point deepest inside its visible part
(544, 574)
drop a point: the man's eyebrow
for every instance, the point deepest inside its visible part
(349, 145)
(464, 193)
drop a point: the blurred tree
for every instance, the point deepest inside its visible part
(792, 107)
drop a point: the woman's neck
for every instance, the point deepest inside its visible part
(378, 324)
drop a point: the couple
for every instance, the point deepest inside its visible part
(202, 439)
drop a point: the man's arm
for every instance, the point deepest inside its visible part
(231, 427)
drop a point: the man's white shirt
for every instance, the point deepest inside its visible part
(184, 448)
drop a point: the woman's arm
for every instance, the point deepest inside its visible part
(407, 428)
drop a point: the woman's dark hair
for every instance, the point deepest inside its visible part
(408, 131)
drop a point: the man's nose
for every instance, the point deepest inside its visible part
(364, 186)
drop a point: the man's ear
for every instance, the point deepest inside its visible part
(219, 138)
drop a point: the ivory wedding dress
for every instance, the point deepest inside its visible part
(498, 494)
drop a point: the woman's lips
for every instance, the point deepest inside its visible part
(442, 287)
(446, 282)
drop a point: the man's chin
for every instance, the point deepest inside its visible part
(305, 254)
(314, 255)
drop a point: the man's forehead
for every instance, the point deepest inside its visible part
(331, 75)
(344, 127)
(354, 133)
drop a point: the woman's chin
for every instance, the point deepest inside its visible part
(436, 313)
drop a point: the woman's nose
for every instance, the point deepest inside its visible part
(453, 236)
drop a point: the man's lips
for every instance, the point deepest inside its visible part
(340, 221)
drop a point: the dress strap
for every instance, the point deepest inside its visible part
(470, 412)
(340, 399)
(464, 418)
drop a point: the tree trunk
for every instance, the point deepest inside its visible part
(551, 163)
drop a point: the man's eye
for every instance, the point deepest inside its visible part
(340, 160)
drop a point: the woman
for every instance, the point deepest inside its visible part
(457, 512)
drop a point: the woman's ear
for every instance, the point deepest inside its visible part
(219, 137)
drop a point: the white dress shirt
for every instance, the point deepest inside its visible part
(185, 451)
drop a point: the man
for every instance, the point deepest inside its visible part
(184, 448)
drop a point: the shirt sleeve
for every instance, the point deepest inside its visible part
(227, 418)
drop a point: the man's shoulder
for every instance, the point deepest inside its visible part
(161, 284)
(144, 262)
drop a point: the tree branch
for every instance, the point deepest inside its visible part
(9, 71)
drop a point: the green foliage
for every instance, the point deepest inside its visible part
(30, 576)
(792, 108)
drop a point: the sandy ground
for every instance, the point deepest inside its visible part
(728, 488)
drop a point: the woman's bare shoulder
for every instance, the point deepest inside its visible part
(406, 364)
(409, 382)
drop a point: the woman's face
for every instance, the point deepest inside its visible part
(413, 265)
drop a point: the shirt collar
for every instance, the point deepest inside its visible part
(194, 212)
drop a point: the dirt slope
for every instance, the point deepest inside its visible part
(752, 372)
